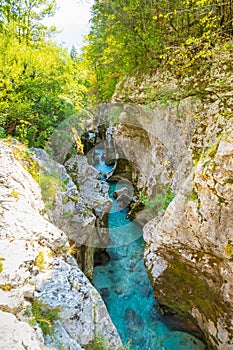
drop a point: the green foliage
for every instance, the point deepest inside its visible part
(2, 133)
(24, 18)
(182, 35)
(39, 89)
(98, 343)
(23, 155)
(159, 202)
(44, 316)
(68, 214)
(211, 151)
(229, 180)
(40, 84)
(49, 184)
(86, 212)
(192, 196)
(143, 197)
(1, 264)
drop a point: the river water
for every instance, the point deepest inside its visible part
(125, 287)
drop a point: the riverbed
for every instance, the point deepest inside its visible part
(125, 286)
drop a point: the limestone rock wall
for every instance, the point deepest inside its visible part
(192, 243)
(189, 252)
(35, 263)
(79, 204)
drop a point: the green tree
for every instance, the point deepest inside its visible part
(40, 84)
(24, 18)
(39, 87)
(143, 34)
(122, 37)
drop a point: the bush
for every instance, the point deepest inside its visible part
(159, 202)
(98, 343)
(44, 316)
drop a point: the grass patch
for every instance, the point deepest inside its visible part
(23, 155)
(49, 183)
(192, 196)
(212, 150)
(86, 212)
(68, 214)
(98, 343)
(44, 316)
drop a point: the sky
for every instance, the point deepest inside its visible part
(72, 19)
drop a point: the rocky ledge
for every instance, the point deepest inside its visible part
(36, 269)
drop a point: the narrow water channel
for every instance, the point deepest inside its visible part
(125, 287)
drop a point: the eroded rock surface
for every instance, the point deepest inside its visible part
(35, 264)
(187, 147)
(18, 335)
(193, 242)
(80, 203)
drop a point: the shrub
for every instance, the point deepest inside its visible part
(159, 202)
(98, 343)
(44, 316)
(2, 133)
(49, 184)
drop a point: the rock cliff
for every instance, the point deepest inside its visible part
(185, 146)
(79, 205)
(38, 276)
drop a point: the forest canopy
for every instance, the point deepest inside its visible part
(41, 84)
(127, 35)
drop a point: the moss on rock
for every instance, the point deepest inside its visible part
(185, 286)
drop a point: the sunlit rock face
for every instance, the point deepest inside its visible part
(35, 263)
(194, 238)
(80, 203)
(189, 147)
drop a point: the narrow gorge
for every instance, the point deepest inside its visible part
(186, 150)
(116, 175)
(170, 171)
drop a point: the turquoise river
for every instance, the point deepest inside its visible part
(125, 286)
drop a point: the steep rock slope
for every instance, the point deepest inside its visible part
(35, 264)
(79, 204)
(187, 146)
